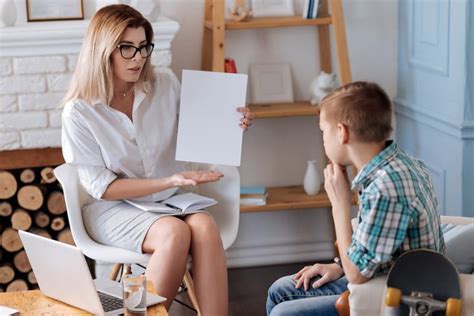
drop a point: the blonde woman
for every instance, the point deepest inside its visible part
(119, 129)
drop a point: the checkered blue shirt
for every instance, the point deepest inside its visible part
(398, 211)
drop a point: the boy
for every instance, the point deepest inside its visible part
(398, 210)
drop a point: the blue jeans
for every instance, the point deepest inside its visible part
(284, 299)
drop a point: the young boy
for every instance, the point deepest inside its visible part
(398, 210)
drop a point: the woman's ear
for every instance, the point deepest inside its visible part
(343, 133)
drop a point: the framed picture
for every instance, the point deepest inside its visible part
(262, 8)
(271, 83)
(54, 10)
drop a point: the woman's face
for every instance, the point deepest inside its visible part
(129, 70)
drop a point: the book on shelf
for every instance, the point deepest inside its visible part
(310, 9)
(186, 203)
(229, 66)
(253, 195)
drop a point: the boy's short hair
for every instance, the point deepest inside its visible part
(364, 107)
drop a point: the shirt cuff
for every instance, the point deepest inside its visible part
(363, 260)
(96, 180)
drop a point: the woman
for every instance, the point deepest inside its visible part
(119, 129)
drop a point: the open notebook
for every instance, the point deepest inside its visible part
(177, 204)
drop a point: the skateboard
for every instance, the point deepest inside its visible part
(424, 282)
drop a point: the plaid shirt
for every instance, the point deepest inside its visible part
(398, 211)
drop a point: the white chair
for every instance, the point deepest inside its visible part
(226, 213)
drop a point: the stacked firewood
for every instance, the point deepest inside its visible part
(30, 200)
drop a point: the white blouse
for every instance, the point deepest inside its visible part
(105, 144)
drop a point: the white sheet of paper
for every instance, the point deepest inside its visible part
(208, 129)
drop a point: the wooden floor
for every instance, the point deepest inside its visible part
(247, 290)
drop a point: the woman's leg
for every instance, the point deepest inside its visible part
(168, 239)
(284, 299)
(209, 264)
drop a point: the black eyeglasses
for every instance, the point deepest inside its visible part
(129, 51)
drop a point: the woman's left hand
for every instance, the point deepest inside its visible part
(247, 117)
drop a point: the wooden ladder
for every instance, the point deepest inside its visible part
(213, 50)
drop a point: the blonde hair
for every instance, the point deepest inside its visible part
(93, 77)
(364, 107)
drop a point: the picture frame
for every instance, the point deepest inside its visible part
(271, 83)
(272, 8)
(54, 10)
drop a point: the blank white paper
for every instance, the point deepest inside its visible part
(208, 128)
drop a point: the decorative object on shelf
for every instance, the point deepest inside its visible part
(148, 8)
(321, 86)
(7, 13)
(312, 179)
(240, 12)
(262, 8)
(271, 83)
(54, 10)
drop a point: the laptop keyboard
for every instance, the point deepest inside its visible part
(109, 302)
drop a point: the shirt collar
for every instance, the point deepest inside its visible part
(366, 173)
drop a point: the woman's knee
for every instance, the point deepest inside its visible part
(202, 224)
(168, 231)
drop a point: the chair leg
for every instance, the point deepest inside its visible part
(115, 271)
(188, 282)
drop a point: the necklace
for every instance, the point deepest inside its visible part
(126, 93)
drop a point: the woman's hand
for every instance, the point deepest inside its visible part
(195, 177)
(328, 273)
(247, 117)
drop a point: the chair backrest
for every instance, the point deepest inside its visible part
(227, 193)
(75, 197)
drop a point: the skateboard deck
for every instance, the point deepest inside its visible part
(424, 282)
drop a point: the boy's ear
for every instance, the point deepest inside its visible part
(343, 133)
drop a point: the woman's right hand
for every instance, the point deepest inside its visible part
(195, 177)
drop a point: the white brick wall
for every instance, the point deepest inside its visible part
(40, 138)
(31, 89)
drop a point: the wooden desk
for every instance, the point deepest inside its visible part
(34, 303)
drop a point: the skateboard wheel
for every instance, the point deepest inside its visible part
(453, 307)
(393, 297)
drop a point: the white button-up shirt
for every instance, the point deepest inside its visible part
(105, 144)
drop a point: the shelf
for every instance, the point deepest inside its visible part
(29, 158)
(258, 23)
(292, 197)
(301, 108)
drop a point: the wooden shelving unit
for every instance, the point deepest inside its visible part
(291, 197)
(258, 23)
(271, 110)
(213, 52)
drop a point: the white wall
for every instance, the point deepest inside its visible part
(275, 150)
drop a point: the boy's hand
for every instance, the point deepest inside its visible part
(328, 273)
(337, 186)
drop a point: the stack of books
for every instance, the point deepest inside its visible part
(253, 195)
(310, 10)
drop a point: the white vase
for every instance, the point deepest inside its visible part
(7, 12)
(312, 179)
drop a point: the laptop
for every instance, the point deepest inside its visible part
(62, 273)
